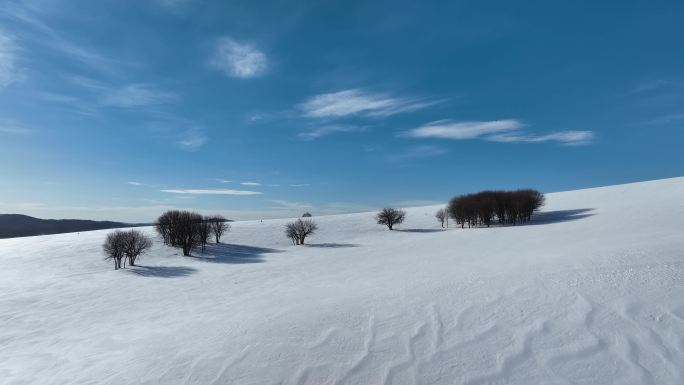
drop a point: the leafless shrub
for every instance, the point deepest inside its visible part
(135, 244)
(390, 217)
(114, 248)
(441, 216)
(298, 230)
(182, 229)
(203, 232)
(125, 245)
(218, 226)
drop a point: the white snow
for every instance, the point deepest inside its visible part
(591, 293)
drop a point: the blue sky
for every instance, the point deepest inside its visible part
(122, 109)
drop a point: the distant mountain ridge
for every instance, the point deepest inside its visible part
(18, 225)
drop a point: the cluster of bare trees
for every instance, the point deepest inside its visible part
(390, 217)
(488, 207)
(185, 229)
(298, 230)
(121, 246)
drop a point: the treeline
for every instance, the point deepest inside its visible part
(185, 229)
(489, 207)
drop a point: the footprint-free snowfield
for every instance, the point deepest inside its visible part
(591, 292)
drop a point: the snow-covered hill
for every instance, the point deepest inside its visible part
(592, 292)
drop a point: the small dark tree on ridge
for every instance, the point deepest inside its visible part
(390, 217)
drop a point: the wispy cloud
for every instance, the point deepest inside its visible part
(31, 16)
(173, 4)
(138, 95)
(508, 131)
(12, 128)
(650, 85)
(191, 139)
(568, 138)
(446, 129)
(223, 180)
(416, 153)
(240, 60)
(322, 131)
(358, 102)
(666, 119)
(250, 183)
(289, 205)
(9, 72)
(140, 184)
(211, 192)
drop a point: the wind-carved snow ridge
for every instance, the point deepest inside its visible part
(589, 293)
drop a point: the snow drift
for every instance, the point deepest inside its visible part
(591, 292)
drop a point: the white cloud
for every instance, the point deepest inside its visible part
(191, 139)
(446, 129)
(321, 131)
(135, 184)
(223, 180)
(240, 60)
(358, 102)
(211, 192)
(569, 138)
(138, 95)
(9, 73)
(417, 152)
(250, 183)
(506, 131)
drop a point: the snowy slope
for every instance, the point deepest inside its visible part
(591, 293)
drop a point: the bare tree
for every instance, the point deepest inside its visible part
(203, 232)
(292, 233)
(390, 217)
(298, 230)
(135, 244)
(307, 215)
(219, 226)
(114, 248)
(441, 216)
(180, 229)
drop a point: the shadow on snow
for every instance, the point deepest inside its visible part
(331, 245)
(232, 254)
(420, 230)
(161, 271)
(547, 217)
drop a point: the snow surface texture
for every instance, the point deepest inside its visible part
(590, 293)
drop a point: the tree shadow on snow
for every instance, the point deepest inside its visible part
(232, 254)
(420, 230)
(331, 245)
(161, 271)
(559, 216)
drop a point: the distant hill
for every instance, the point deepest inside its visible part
(17, 225)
